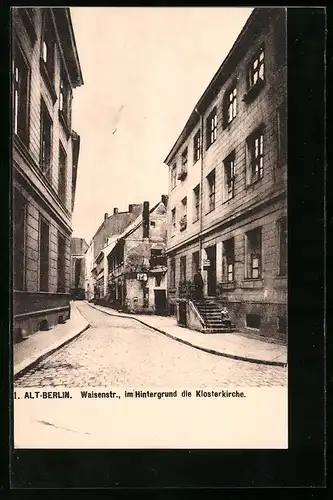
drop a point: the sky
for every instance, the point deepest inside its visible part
(144, 69)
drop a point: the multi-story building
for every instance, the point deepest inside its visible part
(78, 266)
(136, 263)
(228, 178)
(45, 70)
(115, 224)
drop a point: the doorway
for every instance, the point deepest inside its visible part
(160, 302)
(211, 270)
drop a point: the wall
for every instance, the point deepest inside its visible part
(249, 115)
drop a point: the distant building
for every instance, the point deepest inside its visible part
(136, 263)
(227, 211)
(95, 280)
(45, 71)
(79, 247)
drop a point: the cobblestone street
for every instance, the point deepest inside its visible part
(122, 352)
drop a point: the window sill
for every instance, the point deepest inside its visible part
(228, 125)
(64, 123)
(252, 283)
(254, 91)
(253, 183)
(227, 285)
(210, 211)
(196, 161)
(196, 220)
(211, 144)
(48, 81)
(229, 199)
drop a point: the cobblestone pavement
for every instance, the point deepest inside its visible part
(122, 352)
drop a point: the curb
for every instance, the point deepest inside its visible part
(204, 349)
(31, 364)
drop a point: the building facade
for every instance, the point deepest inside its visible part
(45, 151)
(137, 266)
(227, 211)
(79, 247)
(115, 224)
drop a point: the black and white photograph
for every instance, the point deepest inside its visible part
(149, 223)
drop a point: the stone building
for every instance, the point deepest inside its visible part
(115, 224)
(136, 263)
(79, 247)
(45, 71)
(228, 179)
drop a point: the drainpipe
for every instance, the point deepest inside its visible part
(201, 184)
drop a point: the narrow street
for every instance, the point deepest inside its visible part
(122, 352)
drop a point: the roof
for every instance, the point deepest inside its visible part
(132, 227)
(254, 24)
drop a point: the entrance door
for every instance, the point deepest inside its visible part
(211, 271)
(160, 301)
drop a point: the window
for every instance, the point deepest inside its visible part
(28, 17)
(282, 133)
(197, 146)
(256, 156)
(229, 177)
(211, 190)
(20, 94)
(196, 196)
(253, 254)
(253, 321)
(173, 219)
(195, 263)
(172, 271)
(184, 160)
(19, 235)
(61, 268)
(152, 223)
(229, 260)
(46, 141)
(280, 39)
(283, 248)
(44, 256)
(62, 173)
(182, 274)
(157, 257)
(230, 104)
(211, 128)
(158, 280)
(183, 220)
(282, 324)
(257, 68)
(173, 176)
(64, 99)
(48, 46)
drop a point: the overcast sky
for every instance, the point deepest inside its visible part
(144, 69)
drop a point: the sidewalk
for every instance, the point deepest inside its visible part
(40, 344)
(229, 345)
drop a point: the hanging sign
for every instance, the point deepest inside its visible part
(206, 263)
(141, 277)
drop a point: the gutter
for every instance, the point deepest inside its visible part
(201, 182)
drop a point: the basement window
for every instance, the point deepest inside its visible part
(253, 321)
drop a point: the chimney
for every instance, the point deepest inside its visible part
(164, 199)
(130, 208)
(145, 219)
(115, 211)
(106, 216)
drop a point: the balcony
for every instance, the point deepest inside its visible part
(182, 174)
(183, 223)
